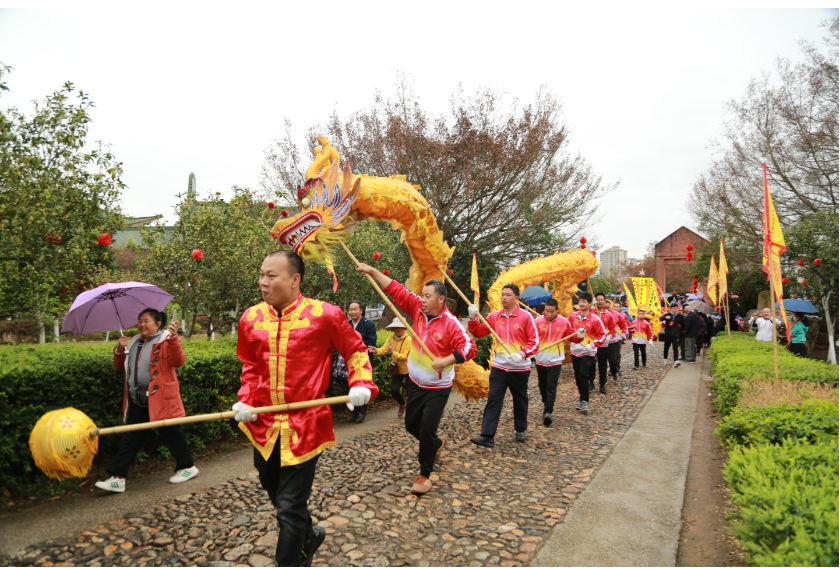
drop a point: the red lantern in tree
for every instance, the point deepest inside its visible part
(195, 279)
(449, 272)
(688, 255)
(386, 272)
(197, 254)
(804, 282)
(270, 205)
(800, 262)
(377, 256)
(583, 247)
(785, 280)
(583, 241)
(689, 247)
(53, 239)
(104, 239)
(817, 261)
(284, 213)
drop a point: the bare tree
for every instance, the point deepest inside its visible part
(500, 178)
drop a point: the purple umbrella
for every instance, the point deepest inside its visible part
(112, 306)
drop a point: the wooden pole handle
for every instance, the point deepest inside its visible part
(559, 341)
(217, 416)
(480, 317)
(527, 307)
(385, 299)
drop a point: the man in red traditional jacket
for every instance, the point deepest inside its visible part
(285, 344)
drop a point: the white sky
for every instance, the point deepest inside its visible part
(205, 90)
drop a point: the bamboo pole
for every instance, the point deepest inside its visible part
(385, 299)
(527, 307)
(558, 342)
(773, 316)
(218, 416)
(480, 317)
(728, 321)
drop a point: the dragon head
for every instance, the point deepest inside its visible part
(325, 205)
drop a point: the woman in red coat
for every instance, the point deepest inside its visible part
(152, 393)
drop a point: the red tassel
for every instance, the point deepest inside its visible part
(335, 280)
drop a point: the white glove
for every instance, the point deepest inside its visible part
(243, 412)
(472, 309)
(515, 358)
(589, 347)
(359, 396)
(581, 333)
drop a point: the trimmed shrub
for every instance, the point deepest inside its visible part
(772, 424)
(742, 358)
(787, 502)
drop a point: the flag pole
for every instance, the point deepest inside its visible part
(768, 246)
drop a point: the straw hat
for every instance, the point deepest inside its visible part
(395, 323)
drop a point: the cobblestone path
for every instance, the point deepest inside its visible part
(487, 507)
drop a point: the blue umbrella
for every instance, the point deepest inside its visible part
(804, 306)
(534, 295)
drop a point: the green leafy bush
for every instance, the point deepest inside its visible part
(772, 424)
(787, 502)
(742, 358)
(37, 379)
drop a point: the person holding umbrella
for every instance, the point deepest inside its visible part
(151, 393)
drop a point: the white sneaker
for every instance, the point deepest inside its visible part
(183, 475)
(665, 362)
(676, 364)
(114, 484)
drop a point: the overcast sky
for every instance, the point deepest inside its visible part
(205, 91)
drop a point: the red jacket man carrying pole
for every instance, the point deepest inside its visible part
(591, 335)
(430, 374)
(285, 344)
(517, 329)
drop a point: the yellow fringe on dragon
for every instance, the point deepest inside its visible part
(332, 203)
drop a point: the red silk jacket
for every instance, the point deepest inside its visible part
(286, 358)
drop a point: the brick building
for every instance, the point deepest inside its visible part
(671, 251)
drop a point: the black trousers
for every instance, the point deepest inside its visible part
(501, 381)
(396, 388)
(673, 342)
(637, 348)
(583, 366)
(172, 436)
(422, 418)
(359, 410)
(616, 354)
(607, 354)
(798, 349)
(289, 488)
(682, 345)
(547, 378)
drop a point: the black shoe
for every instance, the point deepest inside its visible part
(615, 377)
(520, 436)
(620, 374)
(308, 552)
(591, 387)
(636, 368)
(547, 420)
(603, 389)
(484, 441)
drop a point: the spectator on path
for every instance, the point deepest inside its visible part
(671, 326)
(591, 335)
(519, 333)
(551, 326)
(701, 332)
(797, 336)
(367, 330)
(430, 372)
(642, 335)
(399, 346)
(763, 325)
(287, 445)
(691, 324)
(151, 393)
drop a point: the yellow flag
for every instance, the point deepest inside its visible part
(713, 278)
(645, 290)
(474, 281)
(774, 246)
(723, 270)
(631, 303)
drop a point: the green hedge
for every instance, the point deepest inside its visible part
(742, 358)
(37, 379)
(772, 424)
(787, 502)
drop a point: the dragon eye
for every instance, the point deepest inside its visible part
(305, 201)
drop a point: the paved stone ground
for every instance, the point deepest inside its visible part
(487, 507)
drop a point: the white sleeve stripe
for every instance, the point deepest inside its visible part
(466, 335)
